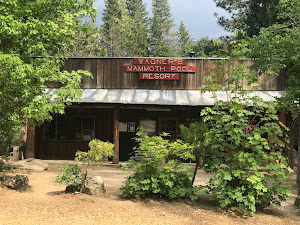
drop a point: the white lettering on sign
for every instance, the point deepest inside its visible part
(185, 69)
(172, 69)
(159, 61)
(159, 76)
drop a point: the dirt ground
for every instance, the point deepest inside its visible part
(46, 203)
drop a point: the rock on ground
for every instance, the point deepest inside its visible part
(31, 164)
(14, 182)
(94, 186)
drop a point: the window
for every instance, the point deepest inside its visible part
(49, 130)
(149, 127)
(70, 128)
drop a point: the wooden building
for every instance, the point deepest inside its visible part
(125, 93)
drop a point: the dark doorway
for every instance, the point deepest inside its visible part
(126, 145)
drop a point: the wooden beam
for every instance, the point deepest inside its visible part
(30, 142)
(282, 117)
(116, 136)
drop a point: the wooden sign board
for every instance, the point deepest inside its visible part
(160, 69)
(159, 61)
(159, 76)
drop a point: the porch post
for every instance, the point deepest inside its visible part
(30, 142)
(116, 136)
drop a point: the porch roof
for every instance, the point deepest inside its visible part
(163, 97)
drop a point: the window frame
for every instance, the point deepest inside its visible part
(81, 129)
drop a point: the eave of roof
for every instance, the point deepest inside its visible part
(163, 97)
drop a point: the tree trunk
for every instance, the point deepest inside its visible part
(297, 201)
(291, 134)
(196, 169)
(298, 166)
(85, 176)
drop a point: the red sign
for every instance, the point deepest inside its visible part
(159, 76)
(160, 69)
(159, 61)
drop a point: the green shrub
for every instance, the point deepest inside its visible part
(12, 137)
(156, 174)
(98, 151)
(248, 166)
(4, 166)
(70, 174)
(194, 135)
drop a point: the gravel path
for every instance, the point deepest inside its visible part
(47, 204)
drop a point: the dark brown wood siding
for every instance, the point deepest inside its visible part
(108, 73)
(58, 149)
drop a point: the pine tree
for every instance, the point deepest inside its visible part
(250, 15)
(87, 41)
(184, 41)
(137, 44)
(161, 34)
(115, 28)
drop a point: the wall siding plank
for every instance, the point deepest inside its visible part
(109, 73)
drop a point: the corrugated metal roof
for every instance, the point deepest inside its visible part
(163, 97)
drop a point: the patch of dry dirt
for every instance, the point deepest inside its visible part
(46, 203)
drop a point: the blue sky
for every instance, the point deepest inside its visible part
(197, 15)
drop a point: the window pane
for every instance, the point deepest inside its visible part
(169, 126)
(88, 128)
(69, 128)
(49, 130)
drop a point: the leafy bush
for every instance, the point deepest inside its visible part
(194, 135)
(4, 166)
(70, 174)
(156, 174)
(249, 169)
(13, 137)
(98, 150)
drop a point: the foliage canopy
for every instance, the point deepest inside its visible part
(160, 172)
(35, 37)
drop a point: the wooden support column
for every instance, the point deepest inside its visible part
(30, 142)
(116, 136)
(282, 117)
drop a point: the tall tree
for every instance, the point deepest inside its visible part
(87, 41)
(184, 41)
(137, 44)
(209, 47)
(115, 28)
(161, 30)
(250, 15)
(277, 47)
(35, 36)
(203, 47)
